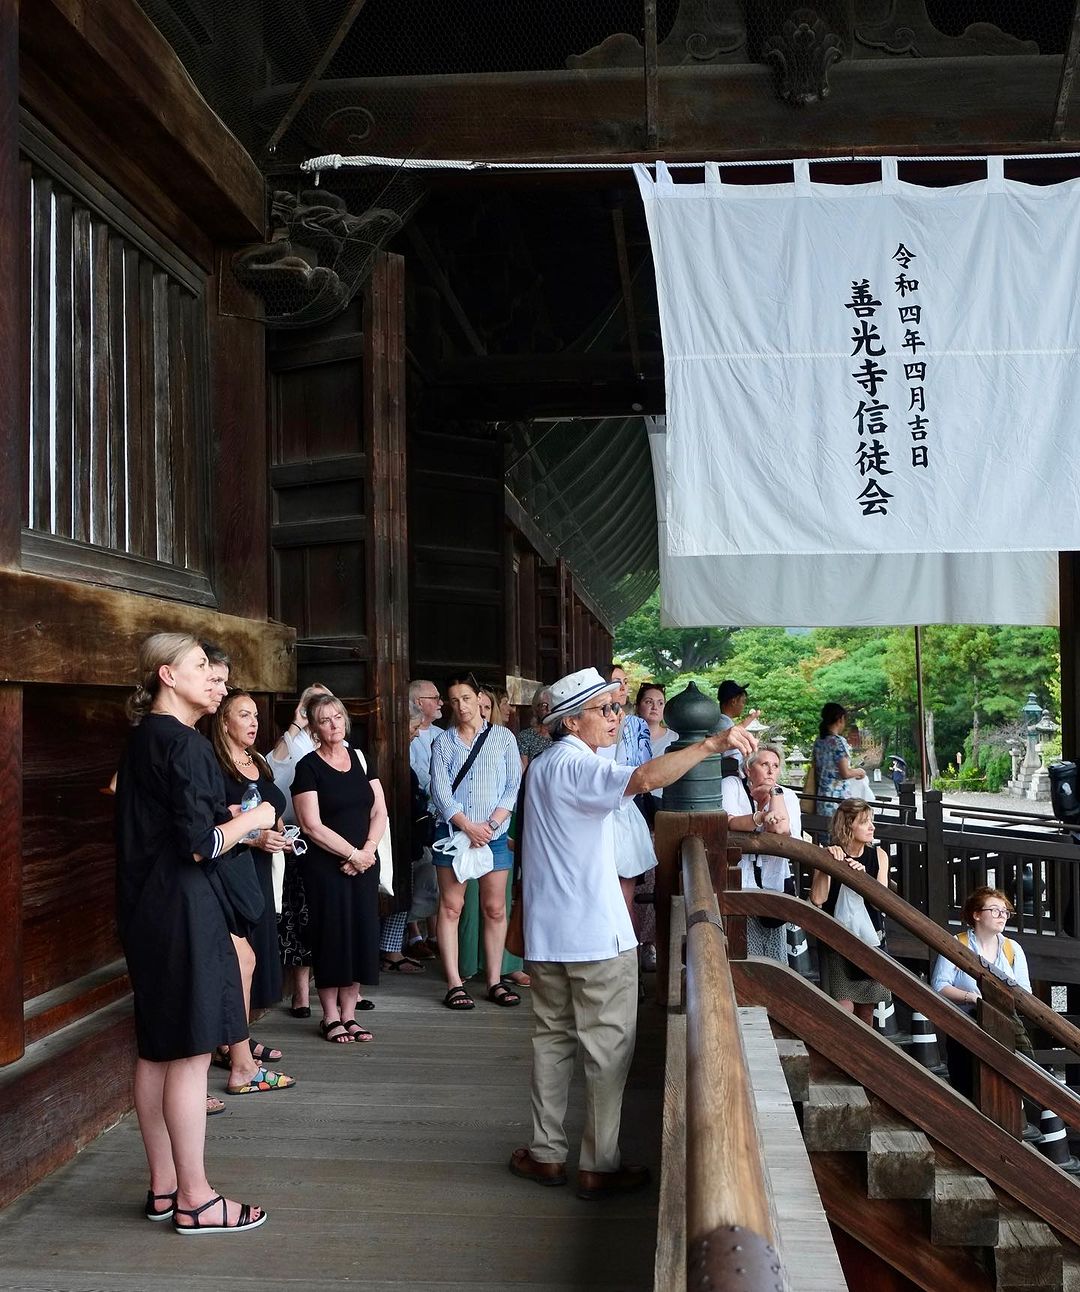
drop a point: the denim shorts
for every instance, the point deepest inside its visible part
(500, 849)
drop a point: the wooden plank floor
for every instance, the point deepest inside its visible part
(383, 1169)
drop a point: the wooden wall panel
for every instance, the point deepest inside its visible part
(456, 537)
(241, 564)
(72, 742)
(11, 874)
(44, 1121)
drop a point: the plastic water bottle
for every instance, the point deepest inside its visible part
(251, 799)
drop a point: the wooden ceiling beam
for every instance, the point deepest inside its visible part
(122, 72)
(729, 111)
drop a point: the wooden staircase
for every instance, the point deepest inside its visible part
(911, 1201)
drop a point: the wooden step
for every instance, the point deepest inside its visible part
(900, 1158)
(963, 1206)
(836, 1116)
(795, 1061)
(894, 1229)
(1027, 1254)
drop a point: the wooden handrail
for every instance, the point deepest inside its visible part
(991, 985)
(1028, 1077)
(729, 1216)
(883, 1068)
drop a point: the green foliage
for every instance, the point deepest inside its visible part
(969, 671)
(663, 653)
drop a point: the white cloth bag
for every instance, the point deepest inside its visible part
(385, 848)
(850, 911)
(469, 862)
(859, 787)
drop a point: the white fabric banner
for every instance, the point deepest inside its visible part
(848, 591)
(869, 369)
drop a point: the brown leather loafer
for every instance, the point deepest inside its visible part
(524, 1164)
(605, 1184)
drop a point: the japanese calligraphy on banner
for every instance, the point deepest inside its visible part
(876, 368)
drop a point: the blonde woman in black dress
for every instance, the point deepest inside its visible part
(171, 822)
(340, 807)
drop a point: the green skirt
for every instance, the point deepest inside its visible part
(471, 933)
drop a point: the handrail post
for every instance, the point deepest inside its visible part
(670, 829)
(995, 1095)
(937, 874)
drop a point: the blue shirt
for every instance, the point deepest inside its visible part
(492, 781)
(946, 974)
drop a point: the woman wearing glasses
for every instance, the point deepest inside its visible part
(984, 916)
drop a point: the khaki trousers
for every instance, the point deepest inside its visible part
(595, 1003)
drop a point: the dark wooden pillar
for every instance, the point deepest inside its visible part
(1069, 619)
(387, 558)
(12, 507)
(241, 574)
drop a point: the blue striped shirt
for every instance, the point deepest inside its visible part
(492, 781)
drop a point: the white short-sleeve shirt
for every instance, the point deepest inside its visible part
(774, 870)
(574, 907)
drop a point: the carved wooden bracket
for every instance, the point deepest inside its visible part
(802, 51)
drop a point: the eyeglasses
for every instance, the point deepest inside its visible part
(606, 709)
(429, 697)
(995, 910)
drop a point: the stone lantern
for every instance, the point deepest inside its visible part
(1031, 713)
(796, 768)
(694, 716)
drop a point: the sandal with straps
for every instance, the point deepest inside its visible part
(263, 1082)
(264, 1053)
(329, 1031)
(244, 1221)
(458, 998)
(151, 1213)
(501, 994)
(357, 1032)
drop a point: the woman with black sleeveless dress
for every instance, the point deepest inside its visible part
(171, 822)
(339, 805)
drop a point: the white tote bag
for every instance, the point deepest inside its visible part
(385, 848)
(850, 911)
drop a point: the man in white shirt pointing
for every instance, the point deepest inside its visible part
(579, 940)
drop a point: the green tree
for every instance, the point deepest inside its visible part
(666, 652)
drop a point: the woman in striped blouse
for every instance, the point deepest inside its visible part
(479, 804)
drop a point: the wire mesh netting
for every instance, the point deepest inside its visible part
(604, 522)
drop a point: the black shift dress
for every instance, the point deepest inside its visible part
(262, 934)
(343, 910)
(184, 973)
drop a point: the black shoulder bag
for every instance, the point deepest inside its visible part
(478, 744)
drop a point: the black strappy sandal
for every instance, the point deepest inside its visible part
(501, 994)
(245, 1220)
(151, 1213)
(458, 998)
